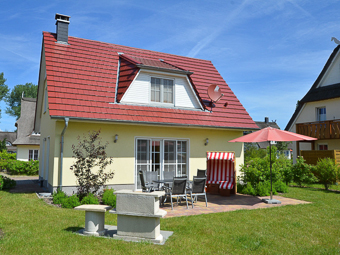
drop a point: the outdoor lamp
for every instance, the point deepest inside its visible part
(116, 138)
(206, 141)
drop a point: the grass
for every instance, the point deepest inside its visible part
(30, 226)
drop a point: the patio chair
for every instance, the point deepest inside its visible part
(178, 190)
(198, 189)
(146, 187)
(201, 173)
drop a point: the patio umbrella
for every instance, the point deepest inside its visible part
(270, 134)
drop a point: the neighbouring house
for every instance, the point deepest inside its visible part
(151, 107)
(10, 138)
(317, 114)
(28, 141)
(273, 124)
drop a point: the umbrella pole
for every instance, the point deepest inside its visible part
(270, 162)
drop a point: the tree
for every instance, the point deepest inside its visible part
(13, 99)
(3, 88)
(327, 172)
(91, 161)
(3, 145)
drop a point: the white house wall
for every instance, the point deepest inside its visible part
(23, 151)
(333, 73)
(140, 90)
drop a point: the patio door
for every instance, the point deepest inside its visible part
(160, 158)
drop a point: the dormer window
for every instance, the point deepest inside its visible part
(162, 90)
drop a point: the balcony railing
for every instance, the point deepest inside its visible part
(329, 129)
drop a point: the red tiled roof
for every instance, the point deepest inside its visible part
(81, 79)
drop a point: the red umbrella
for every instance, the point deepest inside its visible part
(269, 134)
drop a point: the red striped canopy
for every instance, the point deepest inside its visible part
(220, 169)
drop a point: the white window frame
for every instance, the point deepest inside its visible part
(318, 115)
(149, 161)
(34, 153)
(162, 90)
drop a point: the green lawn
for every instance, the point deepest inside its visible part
(32, 227)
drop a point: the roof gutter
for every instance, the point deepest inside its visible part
(62, 154)
(159, 124)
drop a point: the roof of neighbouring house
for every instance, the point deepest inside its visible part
(316, 93)
(25, 123)
(82, 76)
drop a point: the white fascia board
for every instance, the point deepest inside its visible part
(297, 116)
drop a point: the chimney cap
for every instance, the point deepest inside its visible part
(62, 18)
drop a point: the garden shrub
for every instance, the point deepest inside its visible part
(58, 197)
(263, 189)
(301, 172)
(8, 162)
(90, 199)
(70, 202)
(327, 172)
(7, 183)
(247, 189)
(280, 187)
(109, 198)
(91, 161)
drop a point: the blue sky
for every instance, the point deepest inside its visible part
(269, 52)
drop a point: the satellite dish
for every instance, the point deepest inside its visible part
(214, 93)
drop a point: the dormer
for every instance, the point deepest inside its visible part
(155, 82)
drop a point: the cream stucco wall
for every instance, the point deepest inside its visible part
(123, 152)
(23, 150)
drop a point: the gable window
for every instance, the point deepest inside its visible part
(161, 158)
(162, 90)
(33, 155)
(321, 113)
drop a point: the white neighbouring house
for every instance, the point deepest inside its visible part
(318, 113)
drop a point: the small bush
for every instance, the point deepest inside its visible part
(109, 198)
(7, 183)
(280, 187)
(248, 189)
(58, 197)
(302, 173)
(326, 171)
(70, 202)
(90, 199)
(263, 189)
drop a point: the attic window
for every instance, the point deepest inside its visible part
(162, 90)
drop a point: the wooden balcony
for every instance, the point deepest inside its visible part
(329, 129)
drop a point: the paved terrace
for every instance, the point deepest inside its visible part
(216, 203)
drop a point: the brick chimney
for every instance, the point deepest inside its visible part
(62, 22)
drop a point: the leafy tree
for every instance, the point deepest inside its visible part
(3, 145)
(327, 172)
(251, 150)
(91, 161)
(13, 99)
(3, 88)
(282, 146)
(302, 172)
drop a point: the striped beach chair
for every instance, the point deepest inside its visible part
(221, 171)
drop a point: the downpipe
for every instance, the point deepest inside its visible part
(62, 155)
